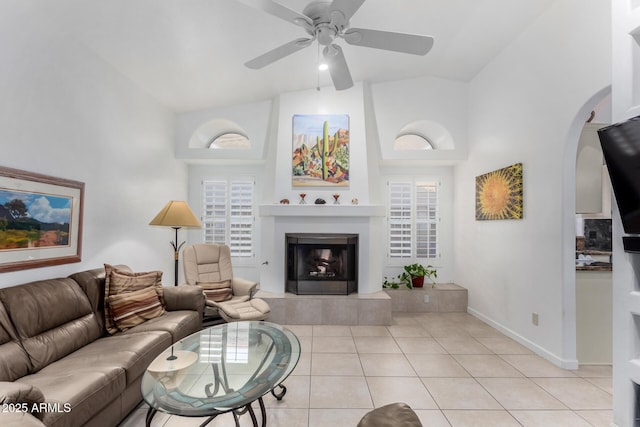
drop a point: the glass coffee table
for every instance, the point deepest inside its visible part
(224, 368)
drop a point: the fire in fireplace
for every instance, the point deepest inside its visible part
(322, 264)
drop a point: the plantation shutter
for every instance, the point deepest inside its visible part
(399, 220)
(426, 220)
(413, 219)
(228, 215)
(241, 219)
(214, 222)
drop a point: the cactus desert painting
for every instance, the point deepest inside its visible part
(320, 150)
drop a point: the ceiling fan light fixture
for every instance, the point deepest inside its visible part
(327, 20)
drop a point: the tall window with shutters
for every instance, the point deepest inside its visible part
(412, 219)
(227, 215)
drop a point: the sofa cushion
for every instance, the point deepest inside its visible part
(118, 281)
(14, 361)
(85, 389)
(52, 318)
(131, 352)
(130, 309)
(178, 323)
(92, 283)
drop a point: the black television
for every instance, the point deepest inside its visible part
(621, 149)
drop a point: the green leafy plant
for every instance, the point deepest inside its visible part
(411, 272)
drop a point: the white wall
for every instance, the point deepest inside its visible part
(66, 113)
(369, 116)
(402, 102)
(252, 118)
(625, 91)
(522, 109)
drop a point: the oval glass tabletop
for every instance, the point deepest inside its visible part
(220, 368)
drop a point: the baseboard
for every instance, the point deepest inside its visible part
(540, 351)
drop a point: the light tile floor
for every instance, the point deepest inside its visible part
(451, 368)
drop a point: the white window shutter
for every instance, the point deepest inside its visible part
(228, 214)
(241, 218)
(413, 219)
(400, 221)
(214, 215)
(426, 220)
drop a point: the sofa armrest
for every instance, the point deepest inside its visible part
(21, 397)
(184, 297)
(19, 419)
(243, 287)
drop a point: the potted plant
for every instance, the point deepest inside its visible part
(412, 277)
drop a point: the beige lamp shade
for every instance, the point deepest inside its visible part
(176, 214)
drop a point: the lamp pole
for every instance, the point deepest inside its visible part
(176, 255)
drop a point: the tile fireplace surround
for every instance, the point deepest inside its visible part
(367, 221)
(370, 305)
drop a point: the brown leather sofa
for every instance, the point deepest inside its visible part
(58, 365)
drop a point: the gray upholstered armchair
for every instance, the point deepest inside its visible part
(208, 265)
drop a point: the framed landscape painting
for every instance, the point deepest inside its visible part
(40, 220)
(499, 194)
(320, 155)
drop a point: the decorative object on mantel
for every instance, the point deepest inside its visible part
(320, 150)
(40, 220)
(284, 201)
(320, 201)
(336, 199)
(302, 196)
(176, 214)
(499, 194)
(354, 201)
(412, 277)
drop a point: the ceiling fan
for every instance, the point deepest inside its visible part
(326, 21)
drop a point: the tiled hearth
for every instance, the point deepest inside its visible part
(354, 309)
(363, 309)
(443, 298)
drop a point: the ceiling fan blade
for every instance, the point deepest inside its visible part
(347, 7)
(280, 11)
(278, 53)
(398, 42)
(337, 67)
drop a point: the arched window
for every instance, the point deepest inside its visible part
(423, 135)
(220, 134)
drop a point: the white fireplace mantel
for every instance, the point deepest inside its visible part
(278, 220)
(313, 210)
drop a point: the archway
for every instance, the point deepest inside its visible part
(568, 224)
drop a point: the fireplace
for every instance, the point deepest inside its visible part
(322, 264)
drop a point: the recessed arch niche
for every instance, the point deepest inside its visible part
(423, 135)
(220, 134)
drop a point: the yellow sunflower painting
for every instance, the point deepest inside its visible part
(499, 194)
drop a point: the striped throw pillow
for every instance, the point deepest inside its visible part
(133, 308)
(118, 281)
(217, 291)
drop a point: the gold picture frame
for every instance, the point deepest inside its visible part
(40, 220)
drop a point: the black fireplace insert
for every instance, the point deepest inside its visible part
(322, 264)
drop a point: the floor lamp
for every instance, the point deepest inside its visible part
(176, 214)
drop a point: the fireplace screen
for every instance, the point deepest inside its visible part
(319, 264)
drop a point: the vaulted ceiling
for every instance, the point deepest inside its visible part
(189, 54)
